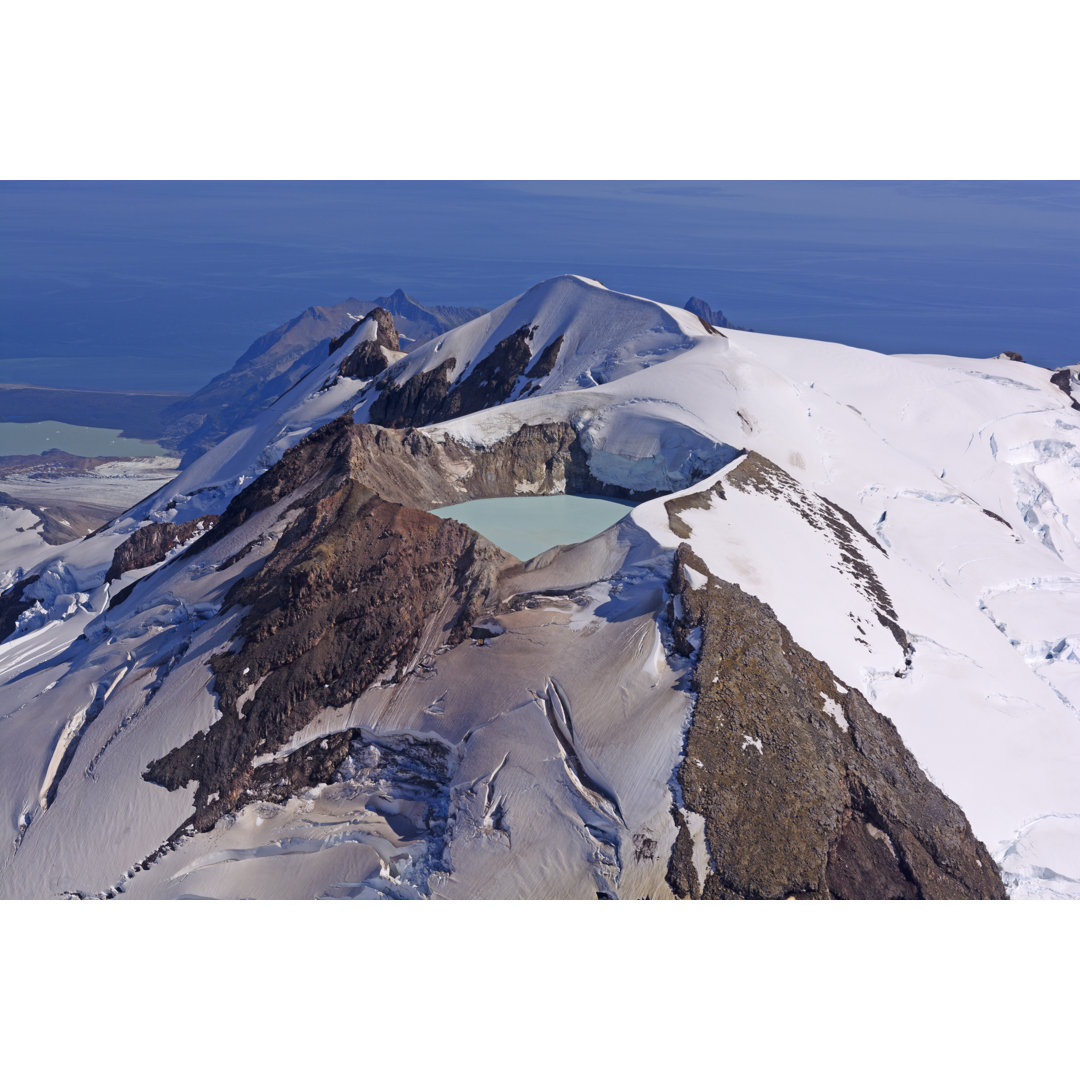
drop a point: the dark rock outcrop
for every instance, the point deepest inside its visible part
(1068, 381)
(386, 333)
(13, 604)
(491, 381)
(544, 364)
(431, 396)
(323, 453)
(415, 402)
(1013, 356)
(799, 801)
(365, 361)
(151, 543)
(351, 588)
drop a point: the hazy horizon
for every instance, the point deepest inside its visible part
(162, 285)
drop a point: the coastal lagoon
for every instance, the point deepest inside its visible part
(529, 524)
(45, 435)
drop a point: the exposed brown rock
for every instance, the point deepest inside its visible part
(368, 358)
(491, 380)
(386, 334)
(321, 453)
(794, 804)
(337, 342)
(431, 396)
(151, 543)
(681, 873)
(415, 402)
(364, 362)
(347, 594)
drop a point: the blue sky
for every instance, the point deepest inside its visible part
(164, 284)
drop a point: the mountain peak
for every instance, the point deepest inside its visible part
(713, 316)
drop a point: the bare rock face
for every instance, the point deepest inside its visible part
(491, 381)
(415, 402)
(805, 789)
(345, 598)
(544, 364)
(368, 359)
(1068, 381)
(365, 361)
(151, 543)
(13, 604)
(386, 335)
(431, 396)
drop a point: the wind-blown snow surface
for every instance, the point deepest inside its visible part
(962, 473)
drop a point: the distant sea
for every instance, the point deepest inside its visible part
(162, 285)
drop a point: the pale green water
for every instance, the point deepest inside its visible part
(84, 441)
(529, 524)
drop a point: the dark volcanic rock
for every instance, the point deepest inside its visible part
(365, 361)
(152, 543)
(346, 596)
(385, 334)
(797, 804)
(415, 402)
(681, 873)
(1013, 356)
(368, 359)
(431, 396)
(491, 380)
(1067, 381)
(321, 454)
(545, 362)
(412, 468)
(12, 605)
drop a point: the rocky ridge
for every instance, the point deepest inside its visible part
(805, 790)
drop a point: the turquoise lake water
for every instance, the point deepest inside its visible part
(527, 525)
(85, 441)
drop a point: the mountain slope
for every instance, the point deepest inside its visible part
(278, 359)
(833, 651)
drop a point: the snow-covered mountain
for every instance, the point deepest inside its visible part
(275, 361)
(834, 650)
